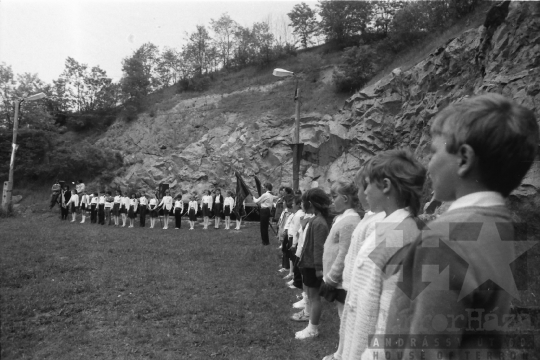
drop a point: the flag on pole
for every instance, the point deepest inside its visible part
(242, 192)
(258, 185)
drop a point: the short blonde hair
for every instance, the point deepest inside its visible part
(503, 135)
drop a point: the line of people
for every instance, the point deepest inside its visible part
(374, 267)
(104, 208)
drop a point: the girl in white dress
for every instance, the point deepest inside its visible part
(228, 205)
(167, 204)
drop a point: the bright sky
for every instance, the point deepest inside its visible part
(37, 36)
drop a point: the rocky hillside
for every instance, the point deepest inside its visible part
(198, 143)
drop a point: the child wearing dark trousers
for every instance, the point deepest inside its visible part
(178, 210)
(93, 208)
(101, 210)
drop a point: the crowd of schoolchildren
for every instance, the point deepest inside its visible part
(372, 263)
(104, 208)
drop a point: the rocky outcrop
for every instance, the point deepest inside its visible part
(195, 146)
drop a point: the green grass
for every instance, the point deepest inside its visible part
(81, 291)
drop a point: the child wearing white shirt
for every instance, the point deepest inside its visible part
(84, 205)
(206, 204)
(74, 202)
(228, 205)
(152, 206)
(133, 203)
(193, 207)
(116, 207)
(178, 210)
(93, 208)
(167, 204)
(124, 208)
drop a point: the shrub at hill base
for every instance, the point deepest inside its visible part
(356, 70)
(38, 159)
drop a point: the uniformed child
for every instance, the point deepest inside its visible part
(166, 204)
(228, 205)
(178, 210)
(132, 213)
(193, 208)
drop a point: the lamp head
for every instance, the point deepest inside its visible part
(36, 97)
(282, 73)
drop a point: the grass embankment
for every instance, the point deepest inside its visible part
(81, 291)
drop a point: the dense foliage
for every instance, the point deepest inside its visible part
(42, 156)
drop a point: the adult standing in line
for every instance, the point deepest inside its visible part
(66, 195)
(56, 189)
(265, 201)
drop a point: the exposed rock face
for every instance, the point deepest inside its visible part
(202, 151)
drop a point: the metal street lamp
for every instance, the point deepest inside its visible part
(297, 146)
(8, 185)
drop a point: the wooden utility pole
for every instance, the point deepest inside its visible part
(297, 152)
(8, 185)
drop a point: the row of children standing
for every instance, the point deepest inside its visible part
(481, 150)
(103, 208)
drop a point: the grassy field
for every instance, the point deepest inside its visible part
(81, 291)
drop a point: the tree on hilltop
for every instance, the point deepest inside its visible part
(304, 22)
(341, 20)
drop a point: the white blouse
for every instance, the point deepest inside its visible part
(117, 199)
(102, 200)
(153, 202)
(193, 205)
(125, 201)
(179, 204)
(94, 200)
(143, 200)
(74, 199)
(207, 199)
(229, 201)
(167, 202)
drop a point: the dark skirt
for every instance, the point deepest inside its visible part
(153, 212)
(73, 208)
(206, 210)
(131, 213)
(217, 208)
(123, 209)
(83, 207)
(192, 215)
(227, 210)
(116, 209)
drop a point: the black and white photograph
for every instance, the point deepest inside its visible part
(270, 179)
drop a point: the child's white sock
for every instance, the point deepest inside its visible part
(313, 328)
